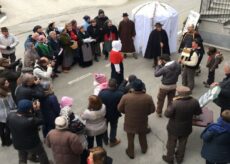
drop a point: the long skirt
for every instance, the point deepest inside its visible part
(86, 55)
(118, 76)
(68, 58)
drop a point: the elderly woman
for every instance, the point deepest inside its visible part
(6, 104)
(68, 51)
(95, 121)
(86, 54)
(30, 55)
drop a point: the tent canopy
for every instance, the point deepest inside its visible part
(146, 15)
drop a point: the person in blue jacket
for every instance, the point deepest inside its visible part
(216, 141)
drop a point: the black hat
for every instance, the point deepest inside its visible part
(165, 57)
(125, 15)
(158, 24)
(138, 85)
(86, 17)
(100, 11)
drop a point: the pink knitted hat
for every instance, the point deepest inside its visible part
(66, 101)
(100, 78)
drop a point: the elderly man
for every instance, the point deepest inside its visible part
(127, 33)
(8, 42)
(30, 88)
(24, 125)
(170, 71)
(180, 123)
(43, 69)
(33, 38)
(136, 106)
(190, 65)
(223, 99)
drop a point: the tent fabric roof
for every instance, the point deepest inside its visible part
(146, 15)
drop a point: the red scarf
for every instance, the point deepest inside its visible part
(115, 57)
(73, 36)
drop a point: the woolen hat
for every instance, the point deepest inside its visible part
(100, 78)
(125, 15)
(138, 85)
(66, 101)
(61, 123)
(183, 91)
(24, 106)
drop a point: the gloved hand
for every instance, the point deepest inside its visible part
(8, 48)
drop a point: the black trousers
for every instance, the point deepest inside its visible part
(211, 77)
(90, 140)
(11, 56)
(113, 131)
(38, 150)
(5, 134)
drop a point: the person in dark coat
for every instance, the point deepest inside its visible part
(111, 98)
(94, 33)
(101, 19)
(52, 27)
(54, 44)
(180, 123)
(216, 143)
(24, 125)
(127, 33)
(31, 39)
(126, 85)
(223, 98)
(50, 108)
(136, 106)
(116, 60)
(30, 88)
(158, 44)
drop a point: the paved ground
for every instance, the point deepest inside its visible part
(82, 87)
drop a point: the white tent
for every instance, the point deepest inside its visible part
(146, 15)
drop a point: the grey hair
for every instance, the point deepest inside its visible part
(26, 78)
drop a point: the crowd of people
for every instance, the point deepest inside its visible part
(28, 102)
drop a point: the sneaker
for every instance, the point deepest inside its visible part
(112, 144)
(165, 158)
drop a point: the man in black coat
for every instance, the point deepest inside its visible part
(157, 44)
(101, 19)
(24, 125)
(30, 88)
(111, 98)
(223, 100)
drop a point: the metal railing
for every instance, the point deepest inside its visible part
(218, 10)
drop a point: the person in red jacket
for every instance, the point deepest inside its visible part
(116, 60)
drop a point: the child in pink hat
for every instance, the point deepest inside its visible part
(100, 83)
(66, 101)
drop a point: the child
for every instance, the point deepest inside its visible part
(100, 83)
(98, 155)
(214, 59)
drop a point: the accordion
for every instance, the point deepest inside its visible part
(185, 54)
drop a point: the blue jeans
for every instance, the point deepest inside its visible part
(113, 131)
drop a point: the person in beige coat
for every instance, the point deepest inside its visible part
(65, 145)
(136, 106)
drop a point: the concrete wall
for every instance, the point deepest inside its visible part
(215, 33)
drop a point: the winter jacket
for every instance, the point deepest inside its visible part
(55, 46)
(44, 50)
(24, 130)
(41, 73)
(65, 145)
(216, 143)
(214, 61)
(6, 104)
(29, 92)
(136, 107)
(223, 99)
(10, 41)
(111, 98)
(28, 40)
(170, 72)
(180, 114)
(95, 121)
